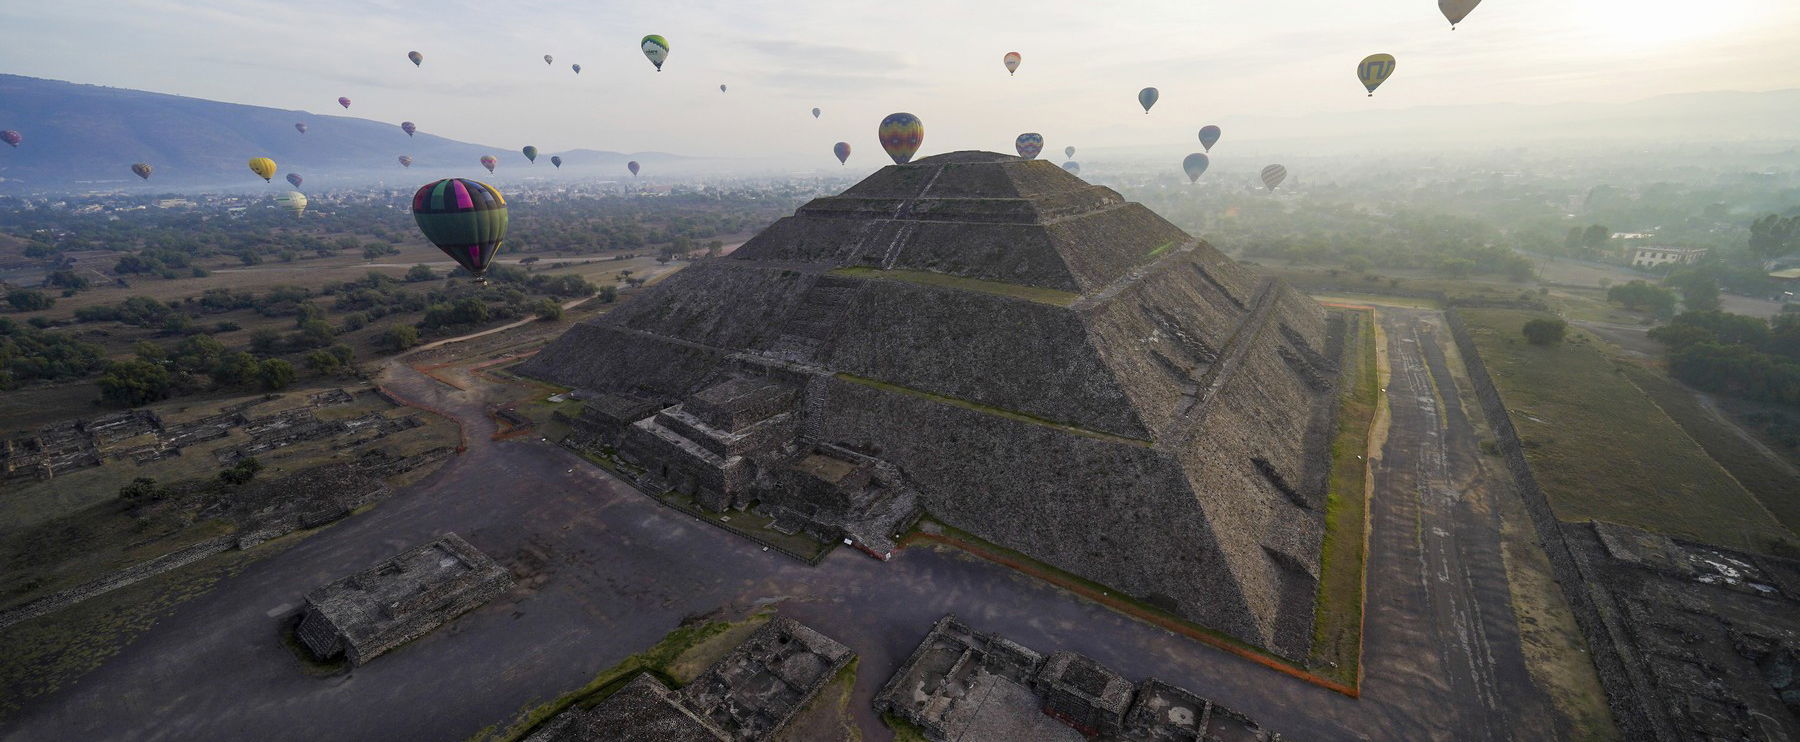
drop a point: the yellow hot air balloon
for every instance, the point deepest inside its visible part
(263, 167)
(1374, 69)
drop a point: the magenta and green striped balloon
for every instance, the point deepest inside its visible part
(466, 219)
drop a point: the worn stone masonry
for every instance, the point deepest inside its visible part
(400, 599)
(1024, 355)
(961, 684)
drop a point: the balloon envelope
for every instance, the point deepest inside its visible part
(556, 160)
(816, 113)
(11, 137)
(416, 58)
(263, 167)
(1073, 167)
(464, 218)
(530, 153)
(1029, 145)
(656, 49)
(342, 101)
(142, 170)
(548, 59)
(294, 201)
(842, 150)
(407, 126)
(300, 128)
(1273, 175)
(901, 134)
(1147, 98)
(632, 166)
(576, 67)
(1068, 151)
(1375, 69)
(489, 161)
(294, 179)
(1209, 136)
(1011, 60)
(721, 87)
(405, 161)
(1194, 165)
(1456, 10)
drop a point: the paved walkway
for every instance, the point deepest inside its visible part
(605, 572)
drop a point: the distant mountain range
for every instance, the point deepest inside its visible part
(87, 136)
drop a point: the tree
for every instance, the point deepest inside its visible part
(143, 491)
(1642, 295)
(135, 382)
(1544, 331)
(1699, 289)
(149, 351)
(1595, 237)
(26, 300)
(419, 273)
(237, 369)
(323, 362)
(1773, 236)
(265, 341)
(276, 373)
(242, 471)
(609, 294)
(400, 337)
(548, 310)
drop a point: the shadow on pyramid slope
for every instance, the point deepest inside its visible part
(1024, 355)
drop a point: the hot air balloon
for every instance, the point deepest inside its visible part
(1011, 60)
(1073, 167)
(11, 137)
(557, 161)
(1273, 175)
(530, 153)
(342, 101)
(721, 87)
(1209, 136)
(1029, 145)
(576, 67)
(1456, 10)
(300, 128)
(465, 219)
(816, 113)
(407, 126)
(142, 170)
(656, 48)
(842, 150)
(632, 166)
(548, 59)
(1374, 69)
(417, 58)
(1147, 98)
(263, 167)
(294, 201)
(489, 161)
(294, 179)
(1068, 151)
(1195, 164)
(901, 134)
(405, 161)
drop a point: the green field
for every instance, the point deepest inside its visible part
(1603, 451)
(1337, 626)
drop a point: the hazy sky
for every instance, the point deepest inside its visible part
(484, 79)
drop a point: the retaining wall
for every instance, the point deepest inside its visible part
(128, 576)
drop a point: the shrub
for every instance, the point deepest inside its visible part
(1545, 331)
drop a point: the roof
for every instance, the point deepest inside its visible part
(367, 603)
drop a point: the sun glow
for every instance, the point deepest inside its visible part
(1642, 24)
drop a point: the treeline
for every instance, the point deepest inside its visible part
(1736, 355)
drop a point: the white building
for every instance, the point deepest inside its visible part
(1650, 256)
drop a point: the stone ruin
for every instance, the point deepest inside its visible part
(1025, 356)
(746, 696)
(398, 600)
(963, 684)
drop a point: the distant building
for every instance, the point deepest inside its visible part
(400, 599)
(1650, 256)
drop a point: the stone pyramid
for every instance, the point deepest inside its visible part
(1025, 356)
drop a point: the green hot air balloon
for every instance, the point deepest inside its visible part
(901, 134)
(1147, 98)
(656, 49)
(1194, 165)
(294, 201)
(530, 153)
(464, 218)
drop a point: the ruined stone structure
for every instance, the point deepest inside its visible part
(961, 684)
(1025, 356)
(400, 599)
(746, 696)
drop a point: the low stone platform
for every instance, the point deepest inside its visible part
(400, 599)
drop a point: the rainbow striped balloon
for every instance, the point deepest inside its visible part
(1029, 145)
(901, 134)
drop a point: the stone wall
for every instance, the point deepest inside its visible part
(129, 576)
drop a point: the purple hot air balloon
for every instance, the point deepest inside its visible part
(11, 137)
(405, 161)
(342, 101)
(294, 180)
(489, 161)
(632, 166)
(300, 128)
(842, 150)
(407, 126)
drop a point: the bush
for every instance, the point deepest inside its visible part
(143, 491)
(241, 472)
(136, 382)
(323, 362)
(1641, 295)
(276, 374)
(400, 337)
(548, 310)
(420, 272)
(1545, 331)
(26, 300)
(609, 294)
